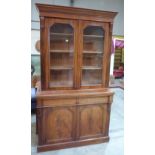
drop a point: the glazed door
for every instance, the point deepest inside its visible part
(93, 51)
(61, 51)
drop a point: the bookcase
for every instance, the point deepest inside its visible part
(73, 104)
(118, 58)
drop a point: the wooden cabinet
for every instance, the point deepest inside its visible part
(72, 118)
(73, 105)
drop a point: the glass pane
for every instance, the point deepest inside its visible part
(61, 55)
(93, 39)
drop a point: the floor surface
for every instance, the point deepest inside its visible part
(116, 132)
(117, 83)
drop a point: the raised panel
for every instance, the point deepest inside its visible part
(92, 120)
(59, 124)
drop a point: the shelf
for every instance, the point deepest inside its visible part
(117, 57)
(61, 68)
(94, 36)
(70, 34)
(92, 52)
(62, 34)
(86, 83)
(61, 83)
(61, 51)
(91, 67)
(92, 82)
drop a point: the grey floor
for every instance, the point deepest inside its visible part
(116, 132)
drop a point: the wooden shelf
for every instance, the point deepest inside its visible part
(62, 34)
(70, 34)
(86, 83)
(92, 52)
(91, 67)
(61, 68)
(94, 36)
(61, 51)
(61, 84)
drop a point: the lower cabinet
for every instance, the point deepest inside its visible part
(72, 122)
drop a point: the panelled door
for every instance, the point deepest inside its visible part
(59, 124)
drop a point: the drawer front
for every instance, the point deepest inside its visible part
(93, 100)
(56, 102)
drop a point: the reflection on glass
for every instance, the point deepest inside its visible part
(61, 55)
(93, 39)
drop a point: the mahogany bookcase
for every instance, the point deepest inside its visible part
(73, 104)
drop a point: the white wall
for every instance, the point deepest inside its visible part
(108, 5)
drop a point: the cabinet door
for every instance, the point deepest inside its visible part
(94, 40)
(61, 53)
(92, 119)
(59, 124)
